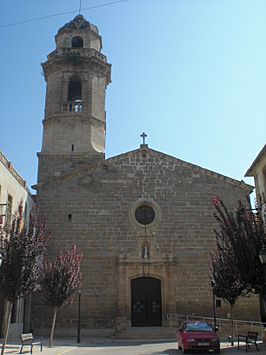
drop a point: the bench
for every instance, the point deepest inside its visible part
(27, 339)
(250, 339)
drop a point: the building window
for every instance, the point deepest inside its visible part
(25, 210)
(74, 90)
(9, 210)
(218, 303)
(17, 311)
(77, 42)
(145, 214)
(2, 206)
(263, 192)
(14, 313)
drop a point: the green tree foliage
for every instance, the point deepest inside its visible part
(61, 279)
(22, 250)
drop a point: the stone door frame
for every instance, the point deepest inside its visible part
(163, 269)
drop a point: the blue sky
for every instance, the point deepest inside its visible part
(190, 73)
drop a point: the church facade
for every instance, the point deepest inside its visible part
(143, 219)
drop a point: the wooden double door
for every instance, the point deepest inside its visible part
(146, 304)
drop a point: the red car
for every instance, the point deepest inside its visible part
(197, 335)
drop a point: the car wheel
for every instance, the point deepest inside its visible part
(179, 347)
(218, 351)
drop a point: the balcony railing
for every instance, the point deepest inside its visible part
(80, 52)
(73, 106)
(223, 324)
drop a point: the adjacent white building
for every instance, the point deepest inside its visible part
(13, 190)
(258, 171)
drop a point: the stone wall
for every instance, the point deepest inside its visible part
(94, 208)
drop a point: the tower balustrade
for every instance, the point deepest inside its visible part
(73, 106)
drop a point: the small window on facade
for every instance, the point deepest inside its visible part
(218, 303)
(1, 209)
(14, 313)
(77, 42)
(72, 147)
(264, 178)
(74, 90)
(9, 209)
(145, 214)
(69, 217)
(25, 210)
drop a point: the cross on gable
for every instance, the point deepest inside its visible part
(143, 135)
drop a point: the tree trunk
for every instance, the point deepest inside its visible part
(7, 317)
(231, 324)
(52, 329)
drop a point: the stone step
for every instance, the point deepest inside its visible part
(147, 333)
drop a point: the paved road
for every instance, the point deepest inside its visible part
(140, 349)
(123, 347)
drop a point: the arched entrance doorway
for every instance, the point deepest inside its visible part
(146, 304)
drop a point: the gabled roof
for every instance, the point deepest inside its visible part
(183, 163)
(262, 153)
(105, 163)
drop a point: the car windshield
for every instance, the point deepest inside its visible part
(199, 327)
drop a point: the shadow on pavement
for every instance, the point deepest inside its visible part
(110, 343)
(226, 351)
(11, 349)
(162, 352)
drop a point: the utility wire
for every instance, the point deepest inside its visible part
(63, 13)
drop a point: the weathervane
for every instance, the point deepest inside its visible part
(79, 6)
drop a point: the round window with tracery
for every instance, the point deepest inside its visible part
(145, 214)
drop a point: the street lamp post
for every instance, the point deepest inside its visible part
(262, 257)
(78, 330)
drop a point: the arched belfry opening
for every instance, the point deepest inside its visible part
(146, 303)
(74, 89)
(77, 42)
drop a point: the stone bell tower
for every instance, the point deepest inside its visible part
(77, 74)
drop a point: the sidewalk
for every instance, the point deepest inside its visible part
(97, 345)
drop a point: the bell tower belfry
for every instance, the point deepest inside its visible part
(77, 75)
